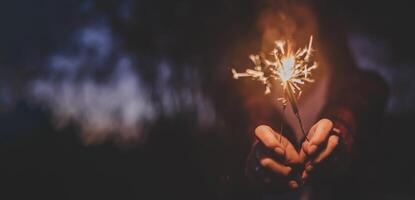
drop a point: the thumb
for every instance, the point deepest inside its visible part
(302, 156)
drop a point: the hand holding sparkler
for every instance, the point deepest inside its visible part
(292, 70)
(274, 153)
(324, 138)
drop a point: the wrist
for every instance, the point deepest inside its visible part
(345, 134)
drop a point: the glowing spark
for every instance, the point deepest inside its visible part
(291, 69)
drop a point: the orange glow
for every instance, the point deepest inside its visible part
(291, 69)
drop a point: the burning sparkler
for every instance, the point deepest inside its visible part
(291, 69)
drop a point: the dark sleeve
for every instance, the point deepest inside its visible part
(356, 101)
(357, 98)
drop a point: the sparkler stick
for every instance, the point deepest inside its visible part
(294, 106)
(291, 69)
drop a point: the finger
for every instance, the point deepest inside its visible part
(273, 165)
(305, 145)
(270, 139)
(288, 157)
(304, 175)
(320, 135)
(309, 166)
(281, 145)
(321, 132)
(302, 156)
(312, 130)
(293, 184)
(291, 155)
(261, 151)
(332, 143)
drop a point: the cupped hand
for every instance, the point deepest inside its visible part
(320, 146)
(276, 155)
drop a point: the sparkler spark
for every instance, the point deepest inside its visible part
(291, 69)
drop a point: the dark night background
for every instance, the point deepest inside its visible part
(168, 53)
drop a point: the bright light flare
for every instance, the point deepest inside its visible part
(291, 69)
(285, 72)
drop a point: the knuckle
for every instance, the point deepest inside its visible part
(316, 162)
(334, 142)
(324, 127)
(269, 145)
(257, 132)
(326, 123)
(261, 128)
(265, 162)
(293, 184)
(288, 171)
(293, 161)
(265, 136)
(305, 146)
